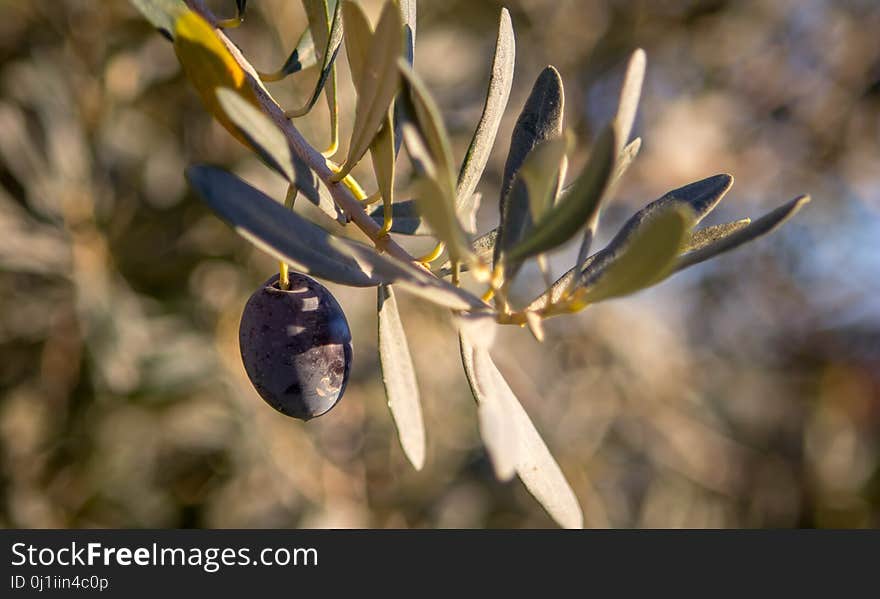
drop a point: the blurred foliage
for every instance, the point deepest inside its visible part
(743, 394)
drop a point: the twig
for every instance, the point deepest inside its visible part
(350, 206)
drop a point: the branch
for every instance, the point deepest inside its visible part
(349, 205)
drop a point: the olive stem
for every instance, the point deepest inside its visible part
(341, 194)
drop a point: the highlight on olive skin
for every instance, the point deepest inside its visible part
(296, 346)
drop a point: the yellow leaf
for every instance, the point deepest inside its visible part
(209, 65)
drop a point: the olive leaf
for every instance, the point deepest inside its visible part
(700, 196)
(500, 82)
(510, 434)
(641, 255)
(741, 235)
(399, 378)
(539, 121)
(307, 247)
(377, 85)
(303, 56)
(497, 428)
(532, 195)
(328, 59)
(428, 146)
(162, 14)
(272, 146)
(575, 208)
(708, 235)
(384, 158)
(320, 15)
(275, 229)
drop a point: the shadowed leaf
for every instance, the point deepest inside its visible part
(407, 219)
(399, 378)
(574, 209)
(539, 121)
(630, 93)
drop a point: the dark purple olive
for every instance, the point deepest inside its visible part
(296, 346)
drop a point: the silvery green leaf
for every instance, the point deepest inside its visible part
(303, 57)
(642, 254)
(407, 220)
(532, 195)
(500, 82)
(701, 197)
(497, 428)
(399, 378)
(752, 231)
(270, 143)
(275, 229)
(428, 146)
(161, 13)
(320, 16)
(358, 38)
(383, 157)
(511, 438)
(708, 235)
(483, 247)
(328, 60)
(629, 97)
(376, 85)
(576, 208)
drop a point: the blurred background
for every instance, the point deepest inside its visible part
(742, 393)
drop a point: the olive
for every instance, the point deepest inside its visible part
(296, 346)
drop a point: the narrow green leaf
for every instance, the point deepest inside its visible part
(358, 39)
(275, 229)
(162, 14)
(701, 197)
(709, 235)
(500, 82)
(399, 378)
(639, 256)
(630, 93)
(320, 15)
(328, 60)
(271, 145)
(377, 83)
(576, 208)
(764, 225)
(428, 147)
(533, 194)
(540, 120)
(511, 438)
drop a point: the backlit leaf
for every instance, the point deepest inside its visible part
(377, 83)
(511, 438)
(708, 235)
(328, 61)
(161, 13)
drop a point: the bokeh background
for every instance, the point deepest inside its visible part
(742, 393)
